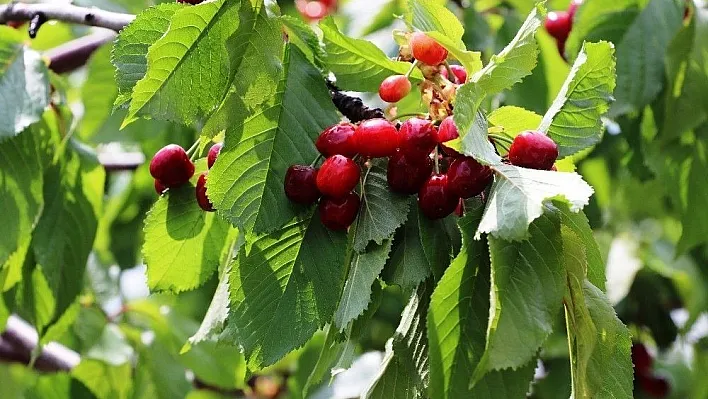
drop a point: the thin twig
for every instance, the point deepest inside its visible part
(74, 54)
(65, 13)
(19, 340)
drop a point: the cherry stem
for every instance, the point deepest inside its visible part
(319, 156)
(450, 73)
(436, 160)
(500, 138)
(193, 149)
(410, 71)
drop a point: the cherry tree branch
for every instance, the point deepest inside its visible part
(65, 13)
(74, 54)
(19, 340)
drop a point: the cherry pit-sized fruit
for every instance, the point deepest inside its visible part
(558, 25)
(394, 88)
(312, 10)
(301, 184)
(339, 213)
(201, 194)
(214, 152)
(641, 359)
(337, 139)
(159, 187)
(426, 49)
(446, 132)
(171, 166)
(533, 150)
(460, 73)
(376, 138)
(417, 137)
(435, 199)
(654, 386)
(338, 176)
(406, 174)
(466, 177)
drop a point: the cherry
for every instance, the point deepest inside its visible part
(426, 50)
(407, 173)
(214, 152)
(460, 73)
(446, 132)
(654, 386)
(202, 198)
(443, 72)
(337, 139)
(159, 187)
(573, 8)
(312, 10)
(466, 177)
(192, 2)
(533, 150)
(435, 199)
(394, 88)
(338, 176)
(641, 358)
(301, 184)
(558, 24)
(339, 213)
(376, 138)
(417, 137)
(171, 166)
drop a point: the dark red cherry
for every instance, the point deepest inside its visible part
(466, 177)
(407, 173)
(654, 386)
(192, 2)
(417, 137)
(426, 49)
(435, 199)
(159, 187)
(339, 213)
(446, 132)
(214, 152)
(460, 73)
(641, 359)
(573, 8)
(558, 24)
(171, 166)
(337, 139)
(394, 88)
(533, 150)
(376, 138)
(301, 184)
(201, 194)
(338, 176)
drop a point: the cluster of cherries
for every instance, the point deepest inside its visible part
(314, 10)
(647, 381)
(171, 167)
(559, 23)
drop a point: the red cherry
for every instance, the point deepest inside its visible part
(435, 199)
(394, 88)
(466, 177)
(192, 2)
(573, 8)
(171, 166)
(214, 152)
(329, 3)
(641, 358)
(533, 150)
(446, 132)
(337, 139)
(558, 24)
(301, 184)
(339, 213)
(657, 387)
(159, 187)
(376, 138)
(407, 173)
(426, 50)
(338, 176)
(417, 137)
(443, 72)
(312, 10)
(202, 198)
(460, 73)
(460, 210)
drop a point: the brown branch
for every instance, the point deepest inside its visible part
(65, 13)
(74, 54)
(19, 340)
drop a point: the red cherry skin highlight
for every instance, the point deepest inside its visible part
(338, 176)
(426, 50)
(337, 139)
(376, 138)
(171, 166)
(301, 184)
(339, 213)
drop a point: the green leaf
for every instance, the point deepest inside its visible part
(403, 372)
(472, 125)
(601, 20)
(696, 198)
(284, 287)
(516, 60)
(302, 35)
(363, 272)
(24, 82)
(640, 62)
(471, 60)
(579, 225)
(518, 196)
(429, 16)
(217, 313)
(177, 87)
(573, 120)
(97, 93)
(358, 64)
(514, 120)
(382, 211)
(129, 53)
(247, 178)
(183, 244)
(599, 342)
(528, 283)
